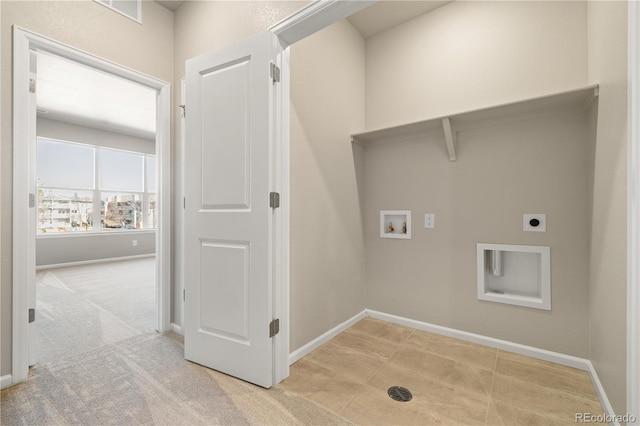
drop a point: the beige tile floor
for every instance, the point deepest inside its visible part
(452, 381)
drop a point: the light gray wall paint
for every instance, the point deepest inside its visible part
(502, 172)
(87, 135)
(52, 250)
(86, 25)
(472, 54)
(463, 56)
(327, 245)
(608, 258)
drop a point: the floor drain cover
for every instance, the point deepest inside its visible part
(398, 393)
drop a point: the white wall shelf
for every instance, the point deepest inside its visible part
(515, 274)
(395, 224)
(452, 123)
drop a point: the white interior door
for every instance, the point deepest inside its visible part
(228, 243)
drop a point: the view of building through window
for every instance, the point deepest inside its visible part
(88, 188)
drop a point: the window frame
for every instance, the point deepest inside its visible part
(109, 5)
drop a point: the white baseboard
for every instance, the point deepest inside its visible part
(176, 328)
(89, 262)
(558, 358)
(6, 381)
(602, 396)
(304, 350)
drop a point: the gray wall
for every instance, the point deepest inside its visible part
(535, 165)
(87, 25)
(471, 54)
(460, 57)
(327, 242)
(52, 250)
(608, 259)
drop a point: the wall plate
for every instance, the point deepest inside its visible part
(395, 224)
(534, 222)
(429, 220)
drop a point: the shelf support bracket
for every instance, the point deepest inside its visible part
(450, 138)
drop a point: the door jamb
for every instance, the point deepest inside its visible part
(23, 147)
(281, 165)
(633, 230)
(312, 18)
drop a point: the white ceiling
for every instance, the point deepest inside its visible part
(172, 5)
(73, 93)
(386, 14)
(374, 19)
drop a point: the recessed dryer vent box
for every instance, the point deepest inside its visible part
(515, 274)
(395, 224)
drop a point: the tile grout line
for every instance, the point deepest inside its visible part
(493, 379)
(376, 371)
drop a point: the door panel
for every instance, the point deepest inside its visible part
(224, 304)
(226, 94)
(228, 221)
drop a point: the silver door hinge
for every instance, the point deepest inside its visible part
(32, 200)
(184, 110)
(184, 294)
(32, 85)
(184, 203)
(274, 327)
(32, 315)
(274, 200)
(274, 73)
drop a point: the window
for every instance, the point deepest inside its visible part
(62, 210)
(65, 165)
(80, 186)
(129, 8)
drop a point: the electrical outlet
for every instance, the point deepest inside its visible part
(429, 220)
(135, 243)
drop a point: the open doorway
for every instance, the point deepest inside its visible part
(135, 212)
(96, 213)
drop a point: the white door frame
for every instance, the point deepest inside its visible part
(312, 18)
(24, 231)
(633, 221)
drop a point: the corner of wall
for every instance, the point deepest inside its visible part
(607, 66)
(327, 247)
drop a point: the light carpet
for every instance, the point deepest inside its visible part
(93, 305)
